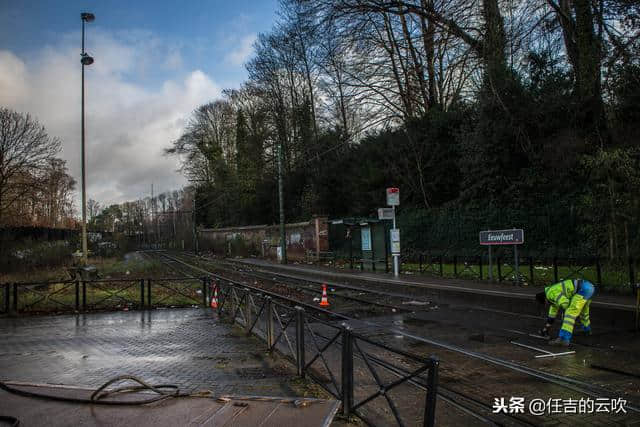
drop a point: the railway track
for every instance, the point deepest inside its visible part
(464, 403)
(405, 302)
(472, 406)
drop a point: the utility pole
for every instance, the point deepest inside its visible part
(173, 218)
(283, 233)
(153, 213)
(193, 221)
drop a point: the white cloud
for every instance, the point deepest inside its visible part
(243, 51)
(173, 60)
(128, 123)
(13, 85)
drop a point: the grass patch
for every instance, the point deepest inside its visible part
(108, 295)
(128, 266)
(132, 264)
(615, 279)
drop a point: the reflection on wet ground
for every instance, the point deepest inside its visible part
(188, 347)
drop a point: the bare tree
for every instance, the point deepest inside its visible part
(26, 150)
(56, 195)
(93, 208)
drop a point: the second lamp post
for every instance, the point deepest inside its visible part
(85, 60)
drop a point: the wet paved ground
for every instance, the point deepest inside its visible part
(188, 347)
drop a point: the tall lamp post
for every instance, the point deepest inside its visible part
(85, 59)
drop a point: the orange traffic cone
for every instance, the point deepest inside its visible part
(324, 302)
(214, 300)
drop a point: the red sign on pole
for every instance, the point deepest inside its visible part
(393, 196)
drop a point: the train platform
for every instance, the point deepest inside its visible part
(618, 310)
(189, 348)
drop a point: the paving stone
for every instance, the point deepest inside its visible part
(188, 347)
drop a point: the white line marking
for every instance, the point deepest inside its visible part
(555, 354)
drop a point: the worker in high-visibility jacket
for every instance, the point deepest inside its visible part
(574, 298)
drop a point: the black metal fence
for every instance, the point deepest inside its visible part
(619, 274)
(109, 294)
(380, 384)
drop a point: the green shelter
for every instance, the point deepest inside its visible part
(362, 241)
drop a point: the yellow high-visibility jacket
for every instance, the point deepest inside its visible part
(559, 295)
(563, 295)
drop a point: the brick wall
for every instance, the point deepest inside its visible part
(304, 240)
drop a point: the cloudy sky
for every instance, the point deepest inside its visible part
(155, 62)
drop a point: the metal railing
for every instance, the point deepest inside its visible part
(104, 294)
(533, 270)
(379, 384)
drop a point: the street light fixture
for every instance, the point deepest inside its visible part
(85, 59)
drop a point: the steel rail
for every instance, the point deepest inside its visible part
(374, 291)
(449, 395)
(400, 372)
(264, 273)
(309, 290)
(562, 381)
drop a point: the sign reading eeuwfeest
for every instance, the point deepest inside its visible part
(514, 236)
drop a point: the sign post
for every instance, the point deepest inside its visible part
(393, 200)
(513, 237)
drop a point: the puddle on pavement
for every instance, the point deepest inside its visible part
(487, 338)
(414, 321)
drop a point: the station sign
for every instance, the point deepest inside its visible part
(385, 213)
(513, 236)
(393, 196)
